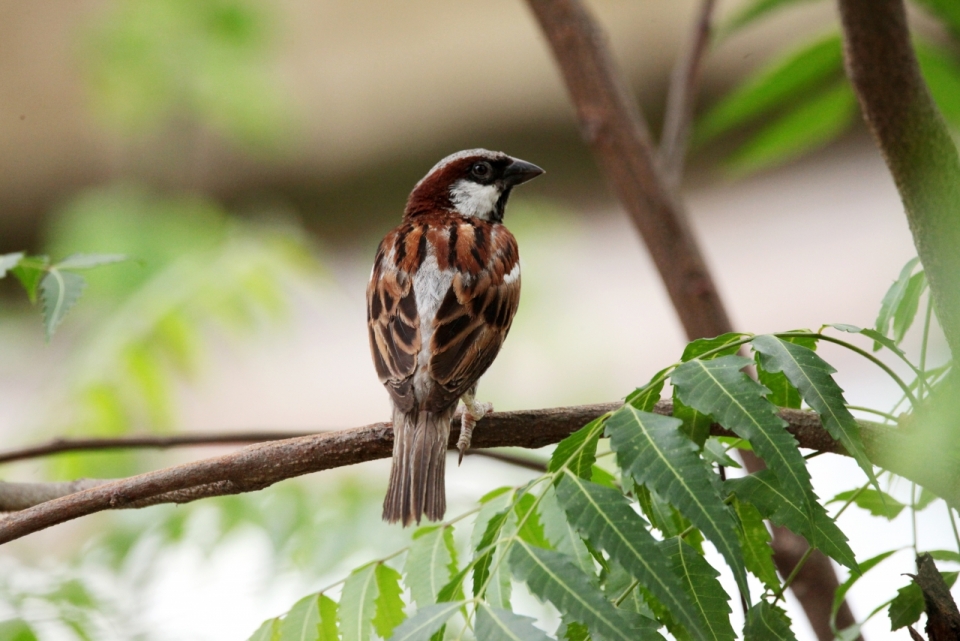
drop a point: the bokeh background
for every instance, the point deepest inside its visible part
(250, 154)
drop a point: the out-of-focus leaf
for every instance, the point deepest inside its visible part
(810, 123)
(755, 541)
(485, 550)
(892, 299)
(429, 564)
(578, 452)
(389, 603)
(946, 10)
(16, 630)
(945, 555)
(926, 498)
(552, 577)
(906, 312)
(750, 13)
(607, 519)
(941, 70)
(561, 533)
(767, 622)
(358, 603)
(499, 584)
(494, 624)
(425, 622)
(8, 262)
(908, 605)
(89, 261)
(328, 620)
(781, 83)
(59, 292)
(651, 449)
(29, 271)
(877, 502)
(301, 623)
(841, 592)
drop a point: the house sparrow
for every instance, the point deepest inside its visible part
(443, 291)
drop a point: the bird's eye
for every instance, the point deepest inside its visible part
(481, 169)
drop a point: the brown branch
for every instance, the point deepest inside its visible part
(258, 466)
(682, 95)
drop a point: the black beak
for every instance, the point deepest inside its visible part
(520, 171)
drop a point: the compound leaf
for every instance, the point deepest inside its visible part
(767, 622)
(389, 605)
(494, 624)
(425, 622)
(358, 604)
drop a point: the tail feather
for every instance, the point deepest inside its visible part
(416, 487)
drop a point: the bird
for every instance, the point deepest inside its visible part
(443, 291)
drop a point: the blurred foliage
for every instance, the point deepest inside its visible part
(801, 100)
(153, 64)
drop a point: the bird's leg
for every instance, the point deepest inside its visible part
(472, 412)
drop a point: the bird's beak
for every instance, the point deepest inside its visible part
(520, 171)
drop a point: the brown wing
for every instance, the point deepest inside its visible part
(472, 323)
(394, 329)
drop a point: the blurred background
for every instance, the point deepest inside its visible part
(249, 155)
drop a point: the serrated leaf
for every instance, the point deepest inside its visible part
(699, 580)
(812, 377)
(29, 271)
(551, 576)
(893, 297)
(752, 12)
(715, 452)
(562, 534)
(725, 344)
(8, 262)
(906, 311)
(808, 124)
(755, 540)
(573, 631)
(696, 425)
(785, 80)
(651, 449)
(269, 630)
(782, 392)
(88, 261)
(389, 612)
(718, 387)
(646, 397)
(763, 490)
(767, 622)
(602, 477)
(908, 605)
(302, 622)
(604, 516)
(327, 629)
(578, 452)
(485, 550)
(494, 624)
(358, 603)
(428, 565)
(498, 585)
(529, 527)
(841, 592)
(877, 502)
(425, 622)
(59, 292)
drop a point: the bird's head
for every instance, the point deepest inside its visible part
(475, 182)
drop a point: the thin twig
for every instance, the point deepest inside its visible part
(682, 96)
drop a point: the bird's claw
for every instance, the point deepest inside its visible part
(472, 413)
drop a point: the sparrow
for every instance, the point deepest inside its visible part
(443, 291)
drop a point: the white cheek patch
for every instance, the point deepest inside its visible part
(513, 275)
(474, 199)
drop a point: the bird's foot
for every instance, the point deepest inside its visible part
(472, 412)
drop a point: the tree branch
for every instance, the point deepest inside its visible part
(682, 96)
(258, 466)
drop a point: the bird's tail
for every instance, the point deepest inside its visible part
(420, 441)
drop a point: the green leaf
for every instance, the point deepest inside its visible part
(812, 377)
(661, 514)
(651, 449)
(551, 576)
(763, 490)
(328, 620)
(841, 592)
(16, 630)
(877, 502)
(578, 452)
(926, 498)
(782, 392)
(485, 550)
(725, 344)
(946, 10)
(302, 621)
(528, 521)
(29, 272)
(604, 516)
(494, 624)
(781, 83)
(8, 262)
(59, 291)
(562, 534)
(945, 555)
(808, 124)
(942, 73)
(879, 340)
(715, 452)
(908, 605)
(718, 387)
(750, 13)
(645, 398)
(574, 631)
(906, 311)
(425, 622)
(358, 603)
(767, 622)
(696, 425)
(755, 541)
(88, 261)
(389, 603)
(499, 584)
(892, 299)
(429, 564)
(699, 580)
